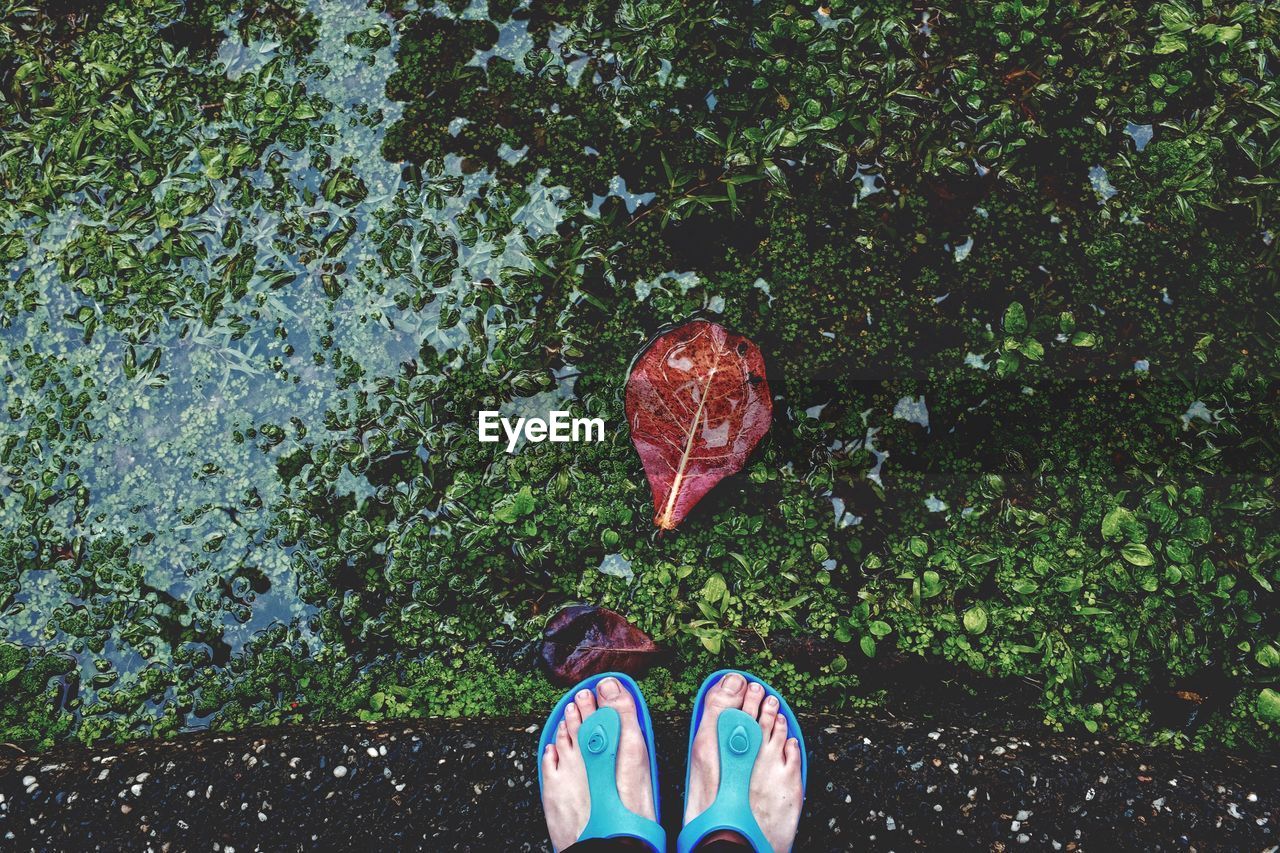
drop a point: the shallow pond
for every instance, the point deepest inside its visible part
(266, 263)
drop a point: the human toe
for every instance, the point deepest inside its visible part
(572, 721)
(779, 735)
(585, 701)
(729, 692)
(563, 742)
(613, 695)
(768, 714)
(791, 754)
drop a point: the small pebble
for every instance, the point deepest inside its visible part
(339, 771)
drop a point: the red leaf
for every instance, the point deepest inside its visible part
(697, 403)
(583, 640)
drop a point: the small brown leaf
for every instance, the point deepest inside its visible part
(583, 640)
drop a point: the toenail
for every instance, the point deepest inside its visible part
(772, 701)
(733, 682)
(609, 688)
(754, 687)
(584, 694)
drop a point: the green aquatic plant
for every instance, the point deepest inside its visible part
(1011, 267)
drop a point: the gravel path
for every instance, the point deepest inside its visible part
(875, 784)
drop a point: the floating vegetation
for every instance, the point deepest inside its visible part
(265, 263)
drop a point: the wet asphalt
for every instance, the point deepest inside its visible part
(875, 783)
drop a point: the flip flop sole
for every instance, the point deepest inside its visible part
(784, 711)
(642, 715)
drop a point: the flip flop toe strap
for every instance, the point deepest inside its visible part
(609, 818)
(739, 737)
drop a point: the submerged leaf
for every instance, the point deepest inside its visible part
(1269, 705)
(975, 619)
(697, 404)
(1015, 319)
(510, 509)
(1115, 521)
(1137, 553)
(584, 640)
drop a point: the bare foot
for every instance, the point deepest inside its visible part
(566, 797)
(776, 792)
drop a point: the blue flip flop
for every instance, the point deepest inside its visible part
(740, 738)
(599, 738)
